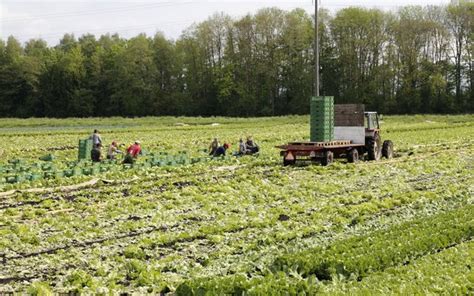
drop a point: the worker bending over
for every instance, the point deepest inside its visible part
(113, 150)
(251, 146)
(132, 153)
(242, 148)
(220, 151)
(213, 146)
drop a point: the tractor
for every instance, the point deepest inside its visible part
(356, 133)
(373, 142)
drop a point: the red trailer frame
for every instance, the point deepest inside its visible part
(323, 152)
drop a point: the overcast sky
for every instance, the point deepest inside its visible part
(51, 19)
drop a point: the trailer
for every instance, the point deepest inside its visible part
(357, 134)
(322, 152)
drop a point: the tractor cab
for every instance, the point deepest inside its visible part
(371, 121)
(373, 142)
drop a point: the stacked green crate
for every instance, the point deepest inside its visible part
(85, 147)
(322, 119)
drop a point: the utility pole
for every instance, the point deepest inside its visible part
(316, 49)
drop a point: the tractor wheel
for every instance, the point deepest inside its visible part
(374, 148)
(328, 158)
(353, 156)
(387, 149)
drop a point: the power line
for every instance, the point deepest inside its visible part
(111, 30)
(171, 4)
(92, 12)
(118, 9)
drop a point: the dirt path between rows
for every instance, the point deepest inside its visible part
(62, 188)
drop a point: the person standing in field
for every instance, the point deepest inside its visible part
(96, 138)
(213, 147)
(220, 151)
(113, 150)
(132, 152)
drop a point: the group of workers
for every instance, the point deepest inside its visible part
(248, 147)
(131, 154)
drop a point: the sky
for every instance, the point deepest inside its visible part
(50, 20)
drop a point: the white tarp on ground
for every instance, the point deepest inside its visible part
(356, 134)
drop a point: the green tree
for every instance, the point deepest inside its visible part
(61, 85)
(167, 99)
(133, 85)
(359, 36)
(296, 63)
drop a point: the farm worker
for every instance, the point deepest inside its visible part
(96, 153)
(213, 147)
(132, 152)
(242, 148)
(96, 139)
(113, 150)
(252, 147)
(221, 150)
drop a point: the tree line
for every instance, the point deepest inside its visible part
(414, 60)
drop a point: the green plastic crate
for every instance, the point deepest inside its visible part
(35, 177)
(11, 179)
(47, 157)
(15, 161)
(77, 171)
(53, 175)
(85, 147)
(46, 167)
(322, 119)
(22, 168)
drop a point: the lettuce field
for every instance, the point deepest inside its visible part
(235, 225)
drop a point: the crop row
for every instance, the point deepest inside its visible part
(446, 272)
(356, 257)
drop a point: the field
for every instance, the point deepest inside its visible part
(240, 225)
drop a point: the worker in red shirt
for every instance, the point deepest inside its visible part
(132, 152)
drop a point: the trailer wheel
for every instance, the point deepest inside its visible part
(374, 149)
(353, 156)
(387, 149)
(288, 162)
(328, 158)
